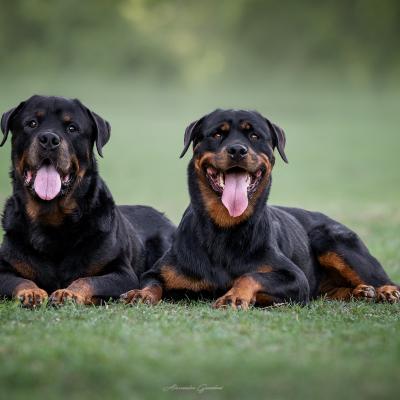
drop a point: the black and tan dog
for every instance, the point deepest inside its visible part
(64, 236)
(231, 243)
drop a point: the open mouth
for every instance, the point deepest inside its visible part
(47, 182)
(235, 186)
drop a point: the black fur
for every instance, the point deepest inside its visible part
(276, 249)
(81, 233)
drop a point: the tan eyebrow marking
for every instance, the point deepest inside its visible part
(245, 125)
(67, 118)
(39, 114)
(225, 127)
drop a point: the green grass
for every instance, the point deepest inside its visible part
(342, 147)
(328, 350)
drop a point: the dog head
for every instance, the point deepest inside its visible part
(233, 158)
(52, 145)
(52, 154)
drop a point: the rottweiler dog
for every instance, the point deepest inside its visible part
(234, 246)
(64, 236)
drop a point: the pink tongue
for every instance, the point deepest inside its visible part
(234, 196)
(47, 183)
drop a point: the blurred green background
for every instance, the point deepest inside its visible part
(328, 72)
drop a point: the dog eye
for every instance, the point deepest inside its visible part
(217, 135)
(32, 124)
(254, 136)
(72, 128)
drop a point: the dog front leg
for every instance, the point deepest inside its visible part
(91, 290)
(268, 285)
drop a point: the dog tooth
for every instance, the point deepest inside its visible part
(221, 180)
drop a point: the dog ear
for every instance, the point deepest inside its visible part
(6, 121)
(190, 135)
(102, 128)
(103, 132)
(278, 139)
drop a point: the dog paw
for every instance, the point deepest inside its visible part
(149, 295)
(388, 293)
(364, 292)
(235, 300)
(63, 296)
(31, 298)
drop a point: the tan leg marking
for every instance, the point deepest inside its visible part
(30, 295)
(333, 261)
(388, 293)
(149, 295)
(242, 295)
(175, 280)
(79, 292)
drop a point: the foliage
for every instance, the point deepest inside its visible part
(194, 41)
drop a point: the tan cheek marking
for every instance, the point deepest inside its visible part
(76, 165)
(32, 157)
(218, 213)
(21, 163)
(213, 159)
(64, 157)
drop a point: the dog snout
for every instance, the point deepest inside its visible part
(49, 140)
(237, 151)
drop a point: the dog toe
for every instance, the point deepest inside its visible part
(364, 292)
(31, 298)
(388, 294)
(146, 296)
(63, 296)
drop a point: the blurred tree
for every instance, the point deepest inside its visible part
(195, 41)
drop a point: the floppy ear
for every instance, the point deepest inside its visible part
(102, 128)
(6, 121)
(103, 131)
(278, 139)
(190, 134)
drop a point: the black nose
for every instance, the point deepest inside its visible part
(49, 140)
(237, 151)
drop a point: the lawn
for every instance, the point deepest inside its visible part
(343, 149)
